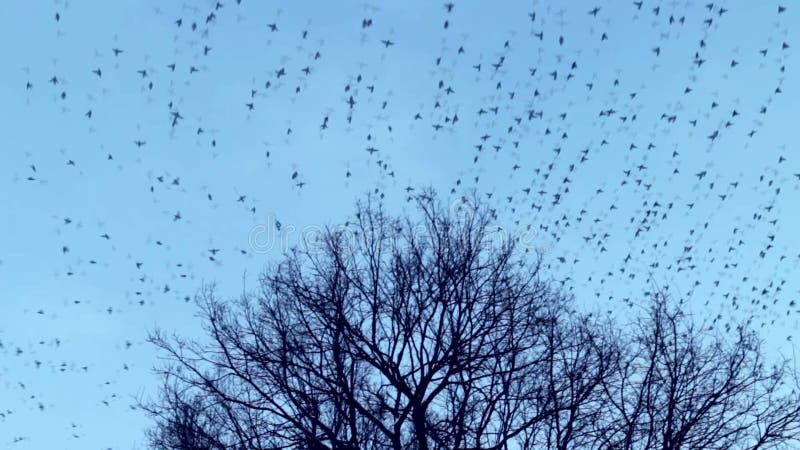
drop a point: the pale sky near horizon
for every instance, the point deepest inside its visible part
(596, 133)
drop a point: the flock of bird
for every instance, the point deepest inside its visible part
(154, 147)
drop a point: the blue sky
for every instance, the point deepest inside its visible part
(76, 309)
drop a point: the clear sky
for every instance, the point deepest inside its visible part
(637, 146)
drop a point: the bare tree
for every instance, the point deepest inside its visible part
(185, 423)
(392, 333)
(574, 379)
(430, 333)
(679, 386)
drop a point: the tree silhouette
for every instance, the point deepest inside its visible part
(678, 386)
(184, 423)
(430, 332)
